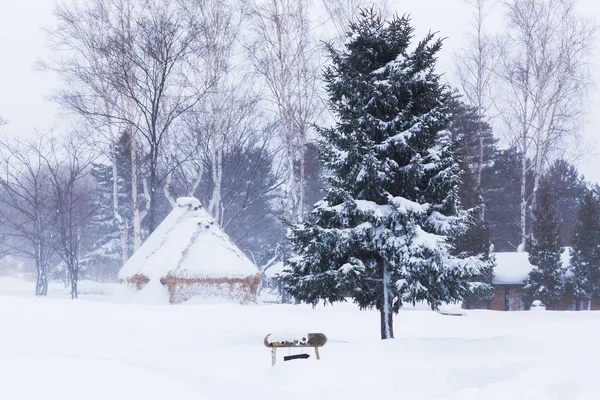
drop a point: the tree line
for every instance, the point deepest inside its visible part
(220, 99)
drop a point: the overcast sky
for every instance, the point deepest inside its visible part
(24, 91)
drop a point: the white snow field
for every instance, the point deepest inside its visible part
(104, 347)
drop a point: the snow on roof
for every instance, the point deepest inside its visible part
(188, 244)
(514, 267)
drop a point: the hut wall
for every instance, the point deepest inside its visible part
(237, 289)
(507, 298)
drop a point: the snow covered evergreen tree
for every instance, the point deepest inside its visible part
(545, 281)
(568, 190)
(475, 243)
(466, 128)
(585, 255)
(383, 232)
(501, 187)
(104, 259)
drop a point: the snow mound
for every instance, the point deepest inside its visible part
(154, 293)
(454, 309)
(87, 287)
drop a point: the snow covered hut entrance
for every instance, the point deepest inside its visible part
(190, 255)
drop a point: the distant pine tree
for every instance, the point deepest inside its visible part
(464, 126)
(545, 281)
(383, 232)
(568, 189)
(104, 258)
(585, 255)
(501, 188)
(475, 242)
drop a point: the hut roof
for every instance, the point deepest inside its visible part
(188, 244)
(512, 268)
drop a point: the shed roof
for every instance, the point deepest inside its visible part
(512, 268)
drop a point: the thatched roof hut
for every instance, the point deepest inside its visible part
(191, 256)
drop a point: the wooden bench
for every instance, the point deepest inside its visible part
(276, 341)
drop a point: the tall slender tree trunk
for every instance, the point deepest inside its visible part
(214, 206)
(386, 313)
(137, 221)
(39, 281)
(74, 280)
(302, 188)
(480, 89)
(523, 210)
(123, 234)
(41, 286)
(292, 190)
(42, 281)
(539, 160)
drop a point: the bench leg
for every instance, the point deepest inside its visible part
(273, 355)
(317, 353)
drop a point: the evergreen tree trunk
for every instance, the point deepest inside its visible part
(386, 314)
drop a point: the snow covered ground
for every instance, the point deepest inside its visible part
(103, 347)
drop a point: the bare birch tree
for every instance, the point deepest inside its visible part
(545, 68)
(26, 201)
(69, 166)
(285, 57)
(475, 66)
(128, 65)
(342, 12)
(220, 116)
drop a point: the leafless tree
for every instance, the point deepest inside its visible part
(222, 115)
(69, 165)
(130, 65)
(342, 12)
(3, 121)
(475, 65)
(544, 66)
(26, 201)
(285, 57)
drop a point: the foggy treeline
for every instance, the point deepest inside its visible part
(219, 99)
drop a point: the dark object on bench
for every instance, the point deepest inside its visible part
(296, 356)
(314, 340)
